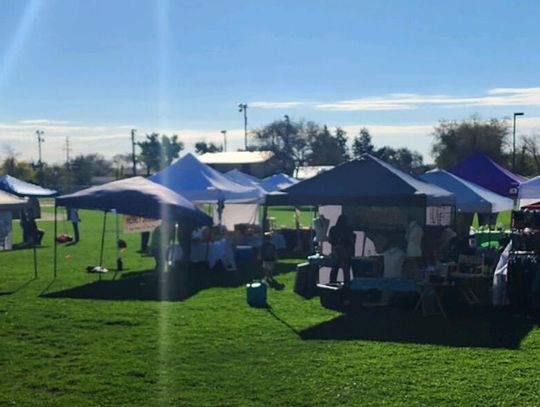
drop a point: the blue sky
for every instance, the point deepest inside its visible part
(91, 70)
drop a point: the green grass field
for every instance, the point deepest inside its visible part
(75, 341)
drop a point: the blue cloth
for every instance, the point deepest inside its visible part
(393, 284)
(18, 187)
(139, 197)
(365, 181)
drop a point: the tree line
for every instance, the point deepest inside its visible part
(297, 143)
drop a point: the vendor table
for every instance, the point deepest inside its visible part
(437, 289)
(466, 284)
(211, 252)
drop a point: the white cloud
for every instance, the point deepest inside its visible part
(411, 101)
(42, 122)
(276, 105)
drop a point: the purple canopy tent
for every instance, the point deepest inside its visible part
(483, 171)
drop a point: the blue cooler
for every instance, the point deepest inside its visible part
(256, 294)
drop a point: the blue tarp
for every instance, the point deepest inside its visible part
(18, 187)
(470, 198)
(200, 183)
(139, 197)
(483, 171)
(367, 181)
(277, 182)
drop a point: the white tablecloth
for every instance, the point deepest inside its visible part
(212, 252)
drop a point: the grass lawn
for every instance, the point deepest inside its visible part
(74, 341)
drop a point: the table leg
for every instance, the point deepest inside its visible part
(420, 299)
(439, 304)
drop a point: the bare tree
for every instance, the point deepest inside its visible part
(531, 146)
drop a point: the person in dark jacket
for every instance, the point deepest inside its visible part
(342, 239)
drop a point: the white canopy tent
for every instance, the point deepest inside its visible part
(202, 184)
(470, 198)
(529, 192)
(8, 204)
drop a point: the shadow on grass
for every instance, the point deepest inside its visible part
(177, 285)
(19, 288)
(482, 327)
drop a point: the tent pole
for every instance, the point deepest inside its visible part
(102, 241)
(35, 261)
(265, 218)
(55, 241)
(119, 265)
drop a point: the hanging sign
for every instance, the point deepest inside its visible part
(136, 224)
(438, 215)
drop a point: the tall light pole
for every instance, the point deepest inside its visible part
(242, 107)
(287, 127)
(39, 134)
(514, 141)
(67, 149)
(133, 159)
(224, 132)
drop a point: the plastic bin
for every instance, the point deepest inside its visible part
(256, 294)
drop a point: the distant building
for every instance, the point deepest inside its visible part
(257, 163)
(309, 171)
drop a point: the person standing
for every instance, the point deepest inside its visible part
(32, 235)
(341, 237)
(413, 237)
(269, 257)
(73, 217)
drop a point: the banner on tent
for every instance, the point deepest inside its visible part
(439, 215)
(136, 224)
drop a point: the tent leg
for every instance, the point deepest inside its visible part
(55, 241)
(119, 265)
(35, 262)
(265, 219)
(102, 241)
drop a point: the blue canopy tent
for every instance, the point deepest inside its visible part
(365, 181)
(470, 198)
(374, 195)
(277, 182)
(18, 187)
(483, 171)
(133, 196)
(198, 182)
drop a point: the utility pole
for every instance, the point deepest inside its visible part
(242, 107)
(39, 134)
(224, 132)
(67, 149)
(514, 141)
(133, 159)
